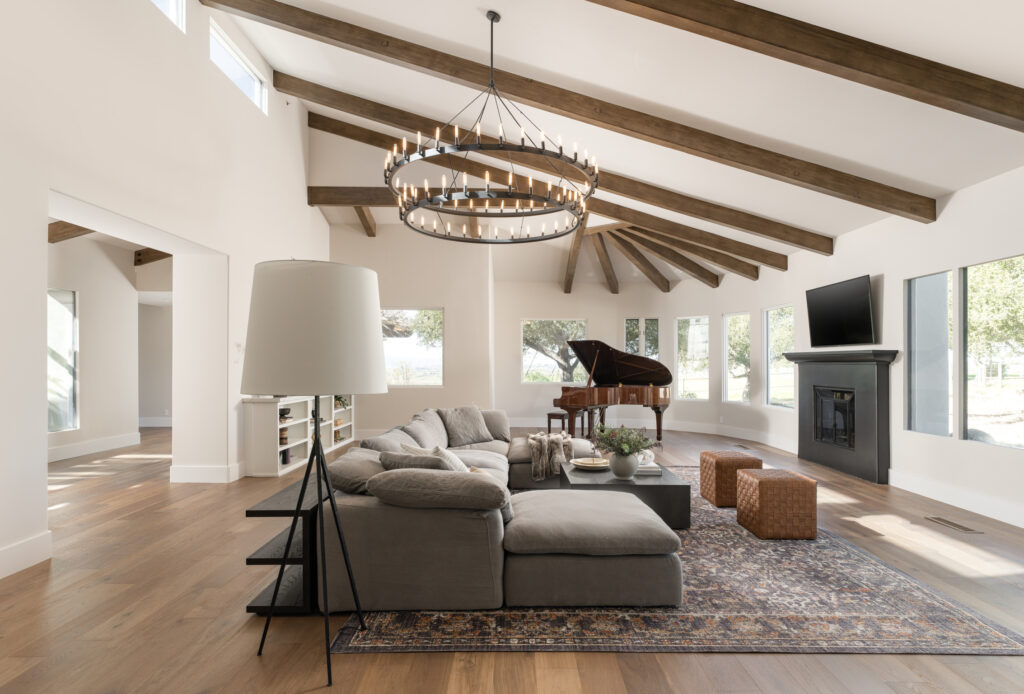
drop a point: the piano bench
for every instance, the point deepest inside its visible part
(558, 415)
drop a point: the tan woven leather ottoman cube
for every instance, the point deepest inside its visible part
(777, 504)
(718, 474)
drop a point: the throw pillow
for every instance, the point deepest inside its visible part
(390, 440)
(438, 435)
(438, 489)
(398, 461)
(497, 424)
(449, 460)
(506, 510)
(352, 471)
(465, 425)
(422, 433)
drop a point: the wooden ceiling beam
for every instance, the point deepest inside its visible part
(640, 261)
(838, 54)
(609, 181)
(606, 263)
(603, 114)
(149, 255)
(366, 219)
(350, 196)
(674, 258)
(722, 260)
(570, 264)
(591, 231)
(62, 231)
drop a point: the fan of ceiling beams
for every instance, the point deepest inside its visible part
(635, 233)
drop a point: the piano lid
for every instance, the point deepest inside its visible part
(615, 366)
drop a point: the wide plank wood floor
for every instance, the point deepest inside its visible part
(147, 590)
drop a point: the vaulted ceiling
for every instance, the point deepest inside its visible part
(716, 159)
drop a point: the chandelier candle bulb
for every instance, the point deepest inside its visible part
(542, 139)
(530, 184)
(487, 181)
(501, 134)
(522, 136)
(465, 182)
(456, 135)
(478, 133)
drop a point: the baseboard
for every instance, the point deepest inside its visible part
(154, 421)
(959, 495)
(107, 443)
(24, 553)
(204, 474)
(785, 443)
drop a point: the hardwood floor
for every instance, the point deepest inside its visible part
(147, 589)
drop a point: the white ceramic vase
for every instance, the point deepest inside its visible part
(623, 467)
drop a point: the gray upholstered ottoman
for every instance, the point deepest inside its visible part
(588, 548)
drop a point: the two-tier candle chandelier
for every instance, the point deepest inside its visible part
(487, 200)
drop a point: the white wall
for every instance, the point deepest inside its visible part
(155, 365)
(102, 275)
(116, 106)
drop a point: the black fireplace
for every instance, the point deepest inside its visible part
(833, 416)
(843, 410)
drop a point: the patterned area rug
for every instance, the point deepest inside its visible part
(740, 594)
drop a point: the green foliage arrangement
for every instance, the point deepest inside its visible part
(622, 441)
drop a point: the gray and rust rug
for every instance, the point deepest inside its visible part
(740, 594)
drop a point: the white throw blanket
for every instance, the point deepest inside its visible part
(547, 453)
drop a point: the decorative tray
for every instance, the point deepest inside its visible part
(589, 463)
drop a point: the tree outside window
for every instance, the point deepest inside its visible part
(642, 332)
(692, 364)
(413, 346)
(737, 358)
(780, 375)
(547, 357)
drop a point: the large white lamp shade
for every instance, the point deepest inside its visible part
(314, 329)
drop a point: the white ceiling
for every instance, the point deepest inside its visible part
(700, 82)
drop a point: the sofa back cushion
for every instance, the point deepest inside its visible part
(427, 430)
(352, 471)
(414, 488)
(446, 459)
(401, 461)
(497, 423)
(388, 441)
(465, 425)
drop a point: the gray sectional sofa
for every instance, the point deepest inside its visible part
(449, 540)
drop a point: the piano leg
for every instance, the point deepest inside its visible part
(657, 420)
(572, 421)
(603, 411)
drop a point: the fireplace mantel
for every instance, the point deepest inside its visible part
(879, 356)
(864, 373)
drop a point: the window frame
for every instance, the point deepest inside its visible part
(444, 352)
(676, 364)
(725, 358)
(766, 356)
(220, 36)
(76, 378)
(177, 14)
(522, 321)
(642, 336)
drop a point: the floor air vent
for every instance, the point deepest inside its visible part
(950, 524)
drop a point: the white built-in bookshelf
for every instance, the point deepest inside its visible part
(276, 443)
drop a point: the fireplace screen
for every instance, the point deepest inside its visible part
(833, 416)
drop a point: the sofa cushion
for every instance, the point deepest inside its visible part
(497, 424)
(465, 425)
(438, 489)
(350, 472)
(427, 429)
(500, 475)
(449, 461)
(519, 449)
(600, 523)
(502, 478)
(481, 459)
(499, 447)
(388, 441)
(399, 461)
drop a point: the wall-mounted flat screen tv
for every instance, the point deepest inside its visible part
(840, 313)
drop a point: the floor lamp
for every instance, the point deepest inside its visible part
(314, 329)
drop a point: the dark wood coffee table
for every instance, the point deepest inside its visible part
(666, 494)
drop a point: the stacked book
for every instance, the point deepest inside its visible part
(649, 468)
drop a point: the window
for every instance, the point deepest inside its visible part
(414, 346)
(692, 377)
(994, 352)
(174, 9)
(930, 354)
(780, 376)
(547, 357)
(62, 359)
(737, 358)
(642, 332)
(239, 70)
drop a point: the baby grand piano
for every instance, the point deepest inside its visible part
(616, 378)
